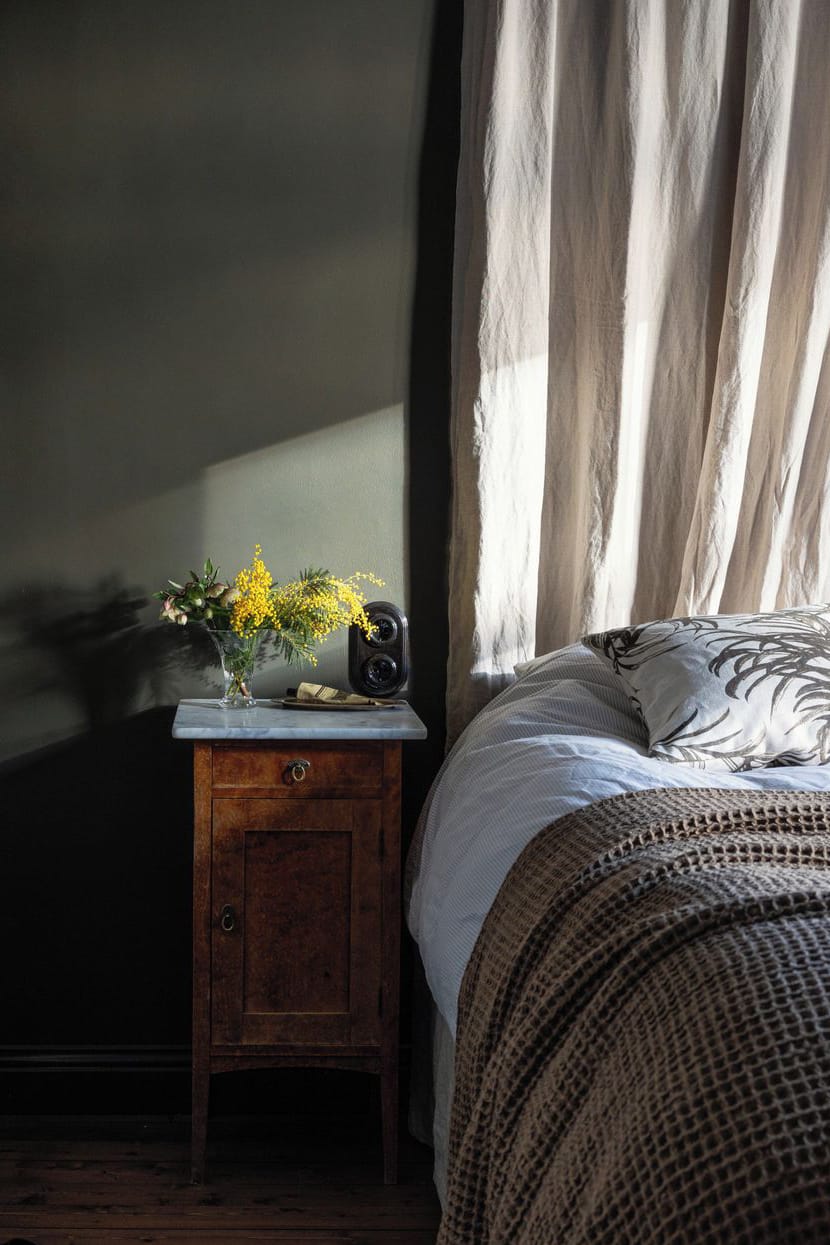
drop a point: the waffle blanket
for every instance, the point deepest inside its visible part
(643, 1050)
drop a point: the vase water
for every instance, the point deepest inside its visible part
(237, 653)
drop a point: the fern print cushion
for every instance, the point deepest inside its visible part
(729, 691)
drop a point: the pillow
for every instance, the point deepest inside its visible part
(729, 691)
(571, 653)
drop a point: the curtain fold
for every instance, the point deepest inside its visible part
(641, 369)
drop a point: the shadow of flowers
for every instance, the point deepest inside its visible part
(99, 645)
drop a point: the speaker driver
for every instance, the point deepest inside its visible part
(380, 671)
(384, 630)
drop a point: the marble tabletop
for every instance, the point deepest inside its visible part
(206, 719)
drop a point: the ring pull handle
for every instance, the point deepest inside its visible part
(296, 770)
(227, 918)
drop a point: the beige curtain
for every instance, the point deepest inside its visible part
(641, 406)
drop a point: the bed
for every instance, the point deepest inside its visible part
(565, 738)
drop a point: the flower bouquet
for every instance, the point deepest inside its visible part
(294, 616)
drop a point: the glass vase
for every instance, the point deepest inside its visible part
(237, 653)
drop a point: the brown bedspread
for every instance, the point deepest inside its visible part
(643, 1050)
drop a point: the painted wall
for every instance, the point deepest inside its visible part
(226, 253)
(209, 245)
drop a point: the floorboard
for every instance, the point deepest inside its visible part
(125, 1181)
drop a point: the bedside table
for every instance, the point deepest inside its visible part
(296, 895)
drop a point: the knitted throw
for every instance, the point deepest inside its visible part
(643, 1048)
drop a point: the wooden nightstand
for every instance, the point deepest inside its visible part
(296, 895)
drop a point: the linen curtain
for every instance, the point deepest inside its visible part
(641, 373)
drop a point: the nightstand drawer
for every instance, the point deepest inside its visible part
(300, 771)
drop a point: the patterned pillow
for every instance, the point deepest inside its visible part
(730, 691)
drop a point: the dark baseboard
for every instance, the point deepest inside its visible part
(155, 1080)
(88, 1058)
(91, 1079)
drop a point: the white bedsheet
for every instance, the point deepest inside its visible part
(561, 737)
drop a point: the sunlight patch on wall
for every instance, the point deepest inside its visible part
(333, 498)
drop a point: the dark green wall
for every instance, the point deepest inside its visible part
(226, 261)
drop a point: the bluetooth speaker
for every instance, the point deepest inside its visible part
(379, 665)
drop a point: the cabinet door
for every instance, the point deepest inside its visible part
(296, 922)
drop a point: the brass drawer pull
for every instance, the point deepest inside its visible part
(227, 918)
(296, 770)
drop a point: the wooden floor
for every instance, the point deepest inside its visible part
(119, 1180)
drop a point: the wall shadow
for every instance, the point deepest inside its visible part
(210, 245)
(97, 826)
(81, 659)
(207, 234)
(96, 928)
(429, 396)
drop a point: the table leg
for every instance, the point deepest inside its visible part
(199, 1118)
(389, 1112)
